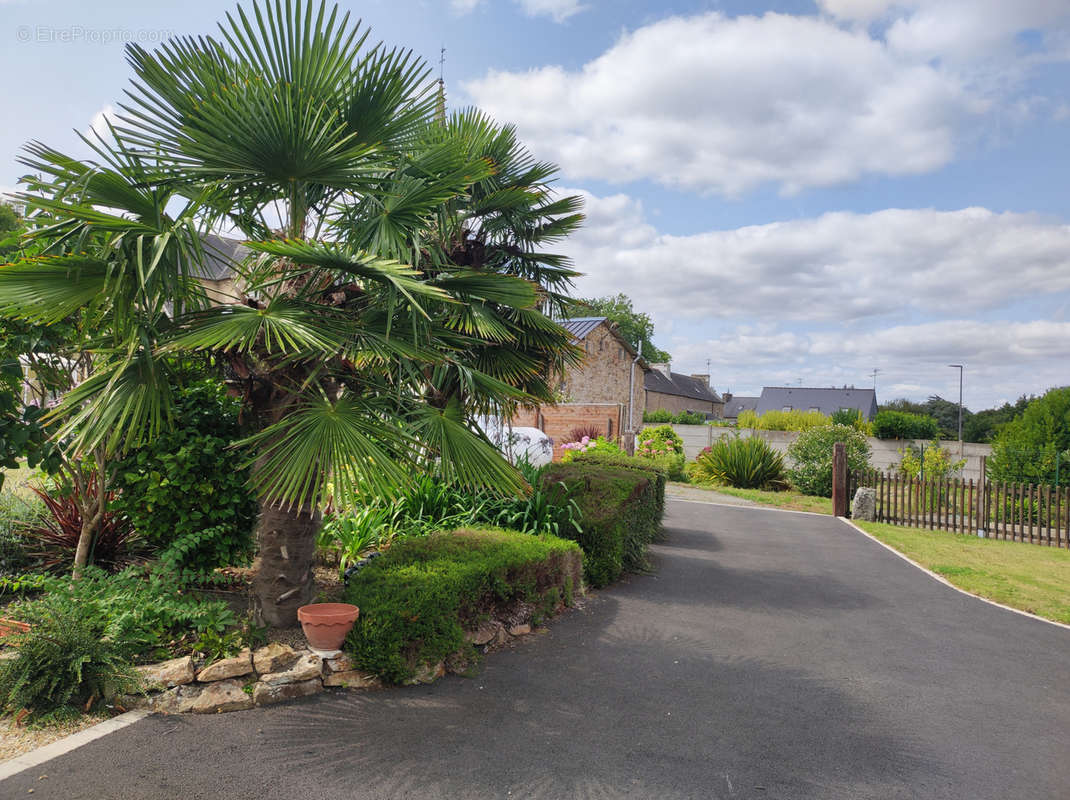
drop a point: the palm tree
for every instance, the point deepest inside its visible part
(396, 287)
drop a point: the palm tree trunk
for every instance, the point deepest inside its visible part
(287, 546)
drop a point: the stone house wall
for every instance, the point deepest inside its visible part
(605, 375)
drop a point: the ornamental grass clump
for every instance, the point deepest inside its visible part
(741, 463)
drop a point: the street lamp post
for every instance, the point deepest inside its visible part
(961, 369)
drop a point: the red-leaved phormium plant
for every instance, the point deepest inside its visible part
(53, 538)
(592, 432)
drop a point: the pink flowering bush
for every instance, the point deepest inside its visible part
(588, 445)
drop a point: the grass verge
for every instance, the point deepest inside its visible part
(790, 501)
(1022, 576)
(16, 480)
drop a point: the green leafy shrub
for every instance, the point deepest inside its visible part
(664, 447)
(648, 466)
(186, 492)
(65, 660)
(418, 599)
(795, 420)
(599, 445)
(433, 505)
(660, 415)
(812, 456)
(890, 424)
(142, 612)
(936, 462)
(1027, 448)
(749, 463)
(620, 515)
(659, 441)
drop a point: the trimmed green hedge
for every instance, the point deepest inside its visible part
(657, 469)
(417, 600)
(621, 513)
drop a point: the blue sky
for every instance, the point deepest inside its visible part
(796, 191)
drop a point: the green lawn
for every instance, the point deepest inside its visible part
(1024, 576)
(790, 501)
(15, 480)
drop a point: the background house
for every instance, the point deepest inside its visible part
(676, 392)
(827, 401)
(735, 404)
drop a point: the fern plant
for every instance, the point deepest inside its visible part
(65, 660)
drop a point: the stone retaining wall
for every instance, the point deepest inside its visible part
(278, 672)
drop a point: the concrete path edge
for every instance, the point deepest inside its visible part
(58, 748)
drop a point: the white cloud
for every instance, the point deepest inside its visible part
(1003, 359)
(464, 6)
(839, 266)
(715, 104)
(557, 10)
(827, 299)
(98, 126)
(963, 31)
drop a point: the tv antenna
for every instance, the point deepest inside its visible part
(442, 64)
(874, 374)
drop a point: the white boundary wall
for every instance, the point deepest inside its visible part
(885, 451)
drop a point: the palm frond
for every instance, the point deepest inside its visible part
(320, 443)
(47, 289)
(463, 455)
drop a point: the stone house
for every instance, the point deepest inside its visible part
(605, 391)
(676, 392)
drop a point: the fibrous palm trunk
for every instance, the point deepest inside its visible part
(287, 546)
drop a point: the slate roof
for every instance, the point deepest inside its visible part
(579, 327)
(827, 401)
(220, 254)
(733, 407)
(679, 385)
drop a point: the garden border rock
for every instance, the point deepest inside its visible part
(277, 672)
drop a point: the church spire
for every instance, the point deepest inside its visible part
(440, 109)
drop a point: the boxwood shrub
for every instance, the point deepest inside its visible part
(621, 514)
(656, 469)
(417, 600)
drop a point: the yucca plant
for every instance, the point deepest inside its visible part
(397, 284)
(741, 463)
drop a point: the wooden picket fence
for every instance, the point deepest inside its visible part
(1018, 512)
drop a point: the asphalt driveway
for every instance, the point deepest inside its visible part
(768, 655)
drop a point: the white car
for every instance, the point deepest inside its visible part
(518, 443)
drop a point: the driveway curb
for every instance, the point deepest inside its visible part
(948, 583)
(66, 744)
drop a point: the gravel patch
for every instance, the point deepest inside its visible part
(15, 741)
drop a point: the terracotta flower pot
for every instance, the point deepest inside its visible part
(11, 626)
(326, 625)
